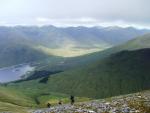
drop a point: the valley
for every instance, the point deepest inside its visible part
(23, 44)
(57, 72)
(74, 56)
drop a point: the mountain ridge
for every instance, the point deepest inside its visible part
(53, 41)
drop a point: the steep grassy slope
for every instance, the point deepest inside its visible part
(135, 44)
(123, 72)
(14, 101)
(12, 96)
(20, 101)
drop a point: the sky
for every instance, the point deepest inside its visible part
(122, 13)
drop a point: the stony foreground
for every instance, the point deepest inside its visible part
(132, 103)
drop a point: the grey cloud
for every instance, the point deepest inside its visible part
(75, 11)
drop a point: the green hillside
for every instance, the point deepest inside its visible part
(139, 42)
(134, 44)
(14, 101)
(112, 72)
(121, 73)
(19, 100)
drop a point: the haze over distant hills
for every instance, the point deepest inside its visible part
(27, 44)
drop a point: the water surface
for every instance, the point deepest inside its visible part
(14, 72)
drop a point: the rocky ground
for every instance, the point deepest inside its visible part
(132, 103)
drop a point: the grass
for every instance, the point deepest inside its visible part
(8, 107)
(15, 97)
(14, 101)
(20, 100)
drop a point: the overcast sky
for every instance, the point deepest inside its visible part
(75, 12)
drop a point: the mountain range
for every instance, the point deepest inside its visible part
(122, 68)
(119, 72)
(29, 44)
